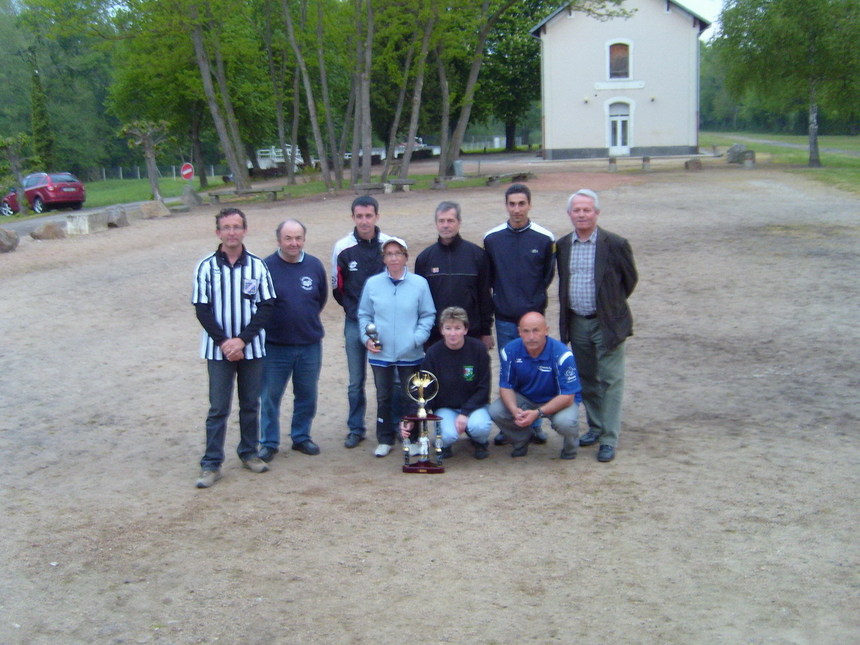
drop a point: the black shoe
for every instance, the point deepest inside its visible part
(521, 451)
(353, 439)
(308, 447)
(538, 436)
(567, 455)
(482, 450)
(447, 452)
(589, 438)
(500, 440)
(267, 454)
(606, 453)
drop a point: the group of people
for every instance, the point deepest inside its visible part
(262, 328)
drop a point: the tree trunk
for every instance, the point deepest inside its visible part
(511, 136)
(364, 95)
(814, 158)
(417, 92)
(236, 168)
(151, 167)
(197, 148)
(309, 97)
(337, 160)
(446, 164)
(230, 116)
(398, 111)
(445, 118)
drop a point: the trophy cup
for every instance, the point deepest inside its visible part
(373, 335)
(422, 387)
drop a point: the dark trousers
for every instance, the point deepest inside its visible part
(389, 398)
(248, 375)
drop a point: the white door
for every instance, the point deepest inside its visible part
(619, 129)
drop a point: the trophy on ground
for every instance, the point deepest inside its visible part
(421, 388)
(373, 335)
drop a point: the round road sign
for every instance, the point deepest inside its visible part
(187, 171)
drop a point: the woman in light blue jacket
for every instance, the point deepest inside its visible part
(401, 307)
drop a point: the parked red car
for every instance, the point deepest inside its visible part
(9, 205)
(46, 190)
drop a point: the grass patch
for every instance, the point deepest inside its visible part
(838, 169)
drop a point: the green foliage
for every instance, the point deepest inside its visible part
(792, 53)
(43, 138)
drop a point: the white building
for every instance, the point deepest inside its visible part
(621, 87)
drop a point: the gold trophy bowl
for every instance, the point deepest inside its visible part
(422, 387)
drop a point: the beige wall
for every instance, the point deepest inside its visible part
(662, 90)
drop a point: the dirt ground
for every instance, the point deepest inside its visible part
(729, 516)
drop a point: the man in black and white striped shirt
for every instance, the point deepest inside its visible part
(234, 298)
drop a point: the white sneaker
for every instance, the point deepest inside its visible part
(382, 450)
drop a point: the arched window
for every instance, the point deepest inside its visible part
(619, 60)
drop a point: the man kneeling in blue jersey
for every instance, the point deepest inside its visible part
(537, 380)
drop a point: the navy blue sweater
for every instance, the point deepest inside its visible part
(301, 293)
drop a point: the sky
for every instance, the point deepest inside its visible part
(709, 9)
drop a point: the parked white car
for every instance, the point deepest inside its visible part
(273, 156)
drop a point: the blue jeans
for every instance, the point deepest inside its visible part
(356, 364)
(505, 333)
(249, 376)
(302, 363)
(478, 426)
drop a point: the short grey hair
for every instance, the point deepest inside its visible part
(585, 192)
(289, 221)
(447, 206)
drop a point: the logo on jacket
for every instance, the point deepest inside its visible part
(469, 373)
(249, 287)
(434, 270)
(353, 266)
(307, 283)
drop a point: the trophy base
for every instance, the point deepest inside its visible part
(424, 468)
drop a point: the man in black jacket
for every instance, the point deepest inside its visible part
(355, 258)
(596, 276)
(458, 274)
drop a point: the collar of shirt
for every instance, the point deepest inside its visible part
(223, 259)
(591, 238)
(300, 260)
(520, 230)
(397, 281)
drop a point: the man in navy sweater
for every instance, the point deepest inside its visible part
(293, 341)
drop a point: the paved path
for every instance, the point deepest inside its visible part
(797, 146)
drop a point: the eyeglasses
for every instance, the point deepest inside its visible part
(393, 254)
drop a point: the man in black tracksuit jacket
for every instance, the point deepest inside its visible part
(458, 273)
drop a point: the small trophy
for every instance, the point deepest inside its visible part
(422, 387)
(373, 335)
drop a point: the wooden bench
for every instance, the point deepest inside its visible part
(369, 189)
(271, 193)
(515, 177)
(399, 185)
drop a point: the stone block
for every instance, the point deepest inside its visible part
(693, 164)
(49, 231)
(153, 209)
(735, 154)
(8, 240)
(86, 223)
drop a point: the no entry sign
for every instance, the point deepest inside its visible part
(187, 171)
